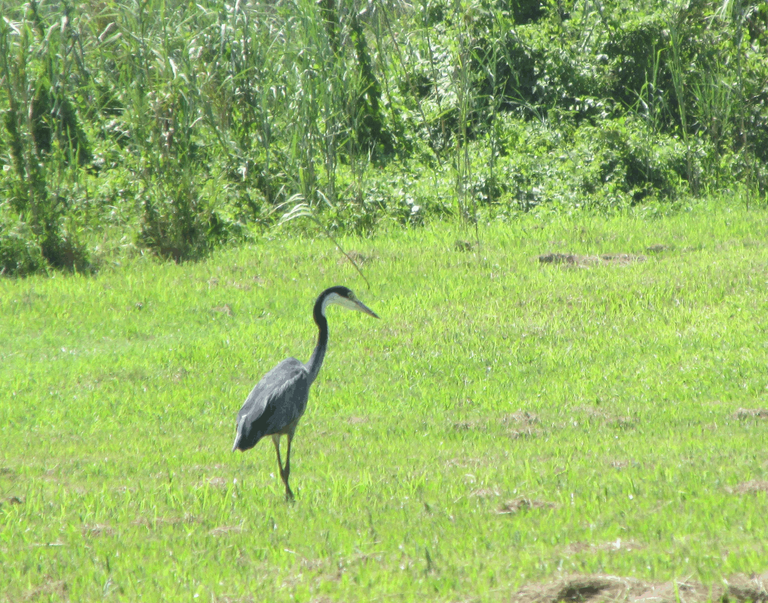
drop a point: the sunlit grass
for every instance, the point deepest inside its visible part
(607, 396)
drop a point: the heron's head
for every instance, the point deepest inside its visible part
(342, 296)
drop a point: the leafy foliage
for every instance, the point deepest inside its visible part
(196, 124)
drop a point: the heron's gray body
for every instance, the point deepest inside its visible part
(275, 405)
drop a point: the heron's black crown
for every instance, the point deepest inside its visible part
(338, 290)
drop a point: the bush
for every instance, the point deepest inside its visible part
(20, 252)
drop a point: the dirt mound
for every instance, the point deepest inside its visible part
(357, 257)
(582, 261)
(607, 589)
(751, 413)
(750, 487)
(523, 504)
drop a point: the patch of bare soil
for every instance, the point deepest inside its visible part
(622, 259)
(95, 530)
(222, 530)
(357, 420)
(523, 504)
(225, 309)
(751, 413)
(215, 482)
(750, 487)
(580, 588)
(357, 257)
(596, 414)
(658, 248)
(521, 417)
(51, 590)
(584, 261)
(748, 588)
(609, 547)
(607, 589)
(239, 285)
(484, 493)
(524, 424)
(469, 426)
(528, 432)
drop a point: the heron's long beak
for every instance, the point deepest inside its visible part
(365, 309)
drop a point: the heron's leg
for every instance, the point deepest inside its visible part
(284, 475)
(276, 442)
(284, 471)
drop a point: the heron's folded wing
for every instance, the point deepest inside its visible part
(275, 402)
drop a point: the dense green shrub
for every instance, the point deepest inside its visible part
(637, 62)
(185, 126)
(20, 252)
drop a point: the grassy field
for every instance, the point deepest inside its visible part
(507, 421)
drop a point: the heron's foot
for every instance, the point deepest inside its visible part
(284, 473)
(284, 476)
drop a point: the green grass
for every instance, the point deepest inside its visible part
(607, 396)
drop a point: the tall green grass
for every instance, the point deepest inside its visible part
(505, 422)
(176, 128)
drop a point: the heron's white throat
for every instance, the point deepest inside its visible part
(335, 298)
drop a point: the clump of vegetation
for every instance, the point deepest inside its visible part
(188, 126)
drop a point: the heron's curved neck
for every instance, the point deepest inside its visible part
(316, 360)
